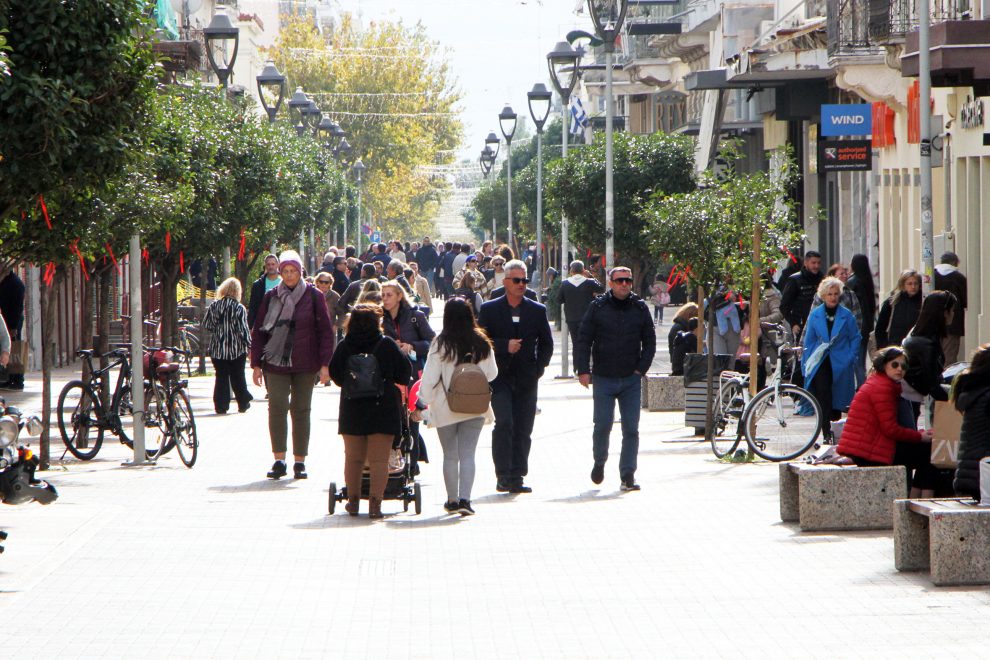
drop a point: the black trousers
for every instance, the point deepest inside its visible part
(917, 458)
(821, 389)
(514, 405)
(230, 375)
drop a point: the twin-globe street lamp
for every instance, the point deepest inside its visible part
(539, 109)
(563, 64)
(608, 15)
(507, 124)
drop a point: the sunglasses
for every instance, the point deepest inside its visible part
(323, 282)
(896, 364)
(623, 280)
(517, 280)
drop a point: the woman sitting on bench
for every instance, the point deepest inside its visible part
(873, 437)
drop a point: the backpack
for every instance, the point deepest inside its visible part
(469, 392)
(364, 377)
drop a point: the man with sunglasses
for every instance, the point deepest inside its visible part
(615, 347)
(523, 343)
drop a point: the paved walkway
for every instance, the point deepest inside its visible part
(220, 562)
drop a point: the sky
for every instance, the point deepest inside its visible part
(497, 49)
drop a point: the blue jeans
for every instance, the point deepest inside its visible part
(859, 368)
(430, 274)
(627, 390)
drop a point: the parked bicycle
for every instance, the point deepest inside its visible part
(169, 411)
(781, 422)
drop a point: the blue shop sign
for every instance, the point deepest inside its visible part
(851, 119)
(376, 237)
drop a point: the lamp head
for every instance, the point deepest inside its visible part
(220, 35)
(539, 105)
(608, 16)
(563, 64)
(272, 81)
(507, 122)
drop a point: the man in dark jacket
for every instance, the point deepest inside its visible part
(381, 254)
(268, 281)
(426, 257)
(576, 293)
(947, 277)
(350, 295)
(800, 290)
(445, 268)
(12, 307)
(523, 344)
(617, 335)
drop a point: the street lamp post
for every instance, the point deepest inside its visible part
(297, 104)
(330, 133)
(342, 153)
(539, 109)
(492, 144)
(359, 169)
(608, 15)
(563, 64)
(487, 162)
(219, 35)
(273, 81)
(507, 124)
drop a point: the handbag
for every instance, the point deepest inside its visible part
(18, 357)
(945, 435)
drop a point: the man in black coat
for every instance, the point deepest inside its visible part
(350, 295)
(618, 336)
(523, 343)
(426, 257)
(12, 308)
(799, 292)
(576, 293)
(947, 277)
(268, 281)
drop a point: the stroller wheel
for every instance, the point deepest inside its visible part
(418, 498)
(333, 497)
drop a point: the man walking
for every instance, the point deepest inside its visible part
(427, 258)
(268, 281)
(523, 343)
(948, 278)
(617, 336)
(799, 292)
(576, 293)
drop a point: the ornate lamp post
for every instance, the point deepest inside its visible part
(487, 162)
(311, 116)
(220, 35)
(358, 169)
(608, 15)
(273, 81)
(563, 64)
(297, 104)
(539, 109)
(507, 124)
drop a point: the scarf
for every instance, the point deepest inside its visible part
(279, 324)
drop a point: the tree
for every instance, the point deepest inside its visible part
(644, 166)
(390, 88)
(75, 88)
(709, 233)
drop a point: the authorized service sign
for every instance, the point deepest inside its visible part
(847, 119)
(845, 155)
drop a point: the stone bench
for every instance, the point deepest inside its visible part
(948, 537)
(832, 497)
(662, 392)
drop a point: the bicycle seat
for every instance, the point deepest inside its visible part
(85, 352)
(167, 368)
(743, 357)
(796, 351)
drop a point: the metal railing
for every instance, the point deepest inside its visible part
(890, 20)
(848, 28)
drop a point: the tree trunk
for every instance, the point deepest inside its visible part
(49, 301)
(169, 273)
(87, 296)
(242, 270)
(201, 314)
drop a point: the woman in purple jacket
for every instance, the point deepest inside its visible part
(291, 342)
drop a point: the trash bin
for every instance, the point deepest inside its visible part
(696, 386)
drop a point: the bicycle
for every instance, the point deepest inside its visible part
(775, 421)
(171, 413)
(81, 408)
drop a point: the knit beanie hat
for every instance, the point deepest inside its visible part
(289, 258)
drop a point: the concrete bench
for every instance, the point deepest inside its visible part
(832, 497)
(948, 537)
(662, 392)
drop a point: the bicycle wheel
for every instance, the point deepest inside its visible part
(79, 420)
(156, 437)
(725, 436)
(778, 425)
(183, 427)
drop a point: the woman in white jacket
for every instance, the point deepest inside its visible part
(461, 340)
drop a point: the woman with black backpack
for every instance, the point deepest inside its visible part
(368, 367)
(460, 342)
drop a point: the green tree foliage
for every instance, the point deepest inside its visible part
(644, 166)
(396, 98)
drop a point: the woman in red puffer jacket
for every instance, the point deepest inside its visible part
(872, 435)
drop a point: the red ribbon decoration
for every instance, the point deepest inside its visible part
(44, 210)
(23, 216)
(168, 241)
(789, 254)
(182, 262)
(49, 275)
(145, 256)
(242, 246)
(113, 259)
(74, 249)
(589, 253)
(673, 277)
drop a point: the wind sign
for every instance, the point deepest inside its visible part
(849, 119)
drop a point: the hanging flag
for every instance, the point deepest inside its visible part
(579, 118)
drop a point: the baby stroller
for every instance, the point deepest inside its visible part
(401, 484)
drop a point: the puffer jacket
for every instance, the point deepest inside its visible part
(895, 321)
(618, 336)
(871, 431)
(974, 439)
(925, 364)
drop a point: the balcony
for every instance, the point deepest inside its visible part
(891, 20)
(960, 55)
(848, 30)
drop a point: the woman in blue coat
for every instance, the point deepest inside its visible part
(831, 347)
